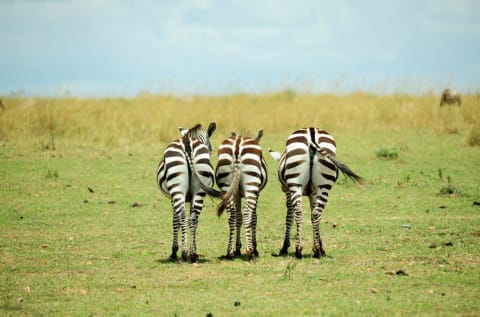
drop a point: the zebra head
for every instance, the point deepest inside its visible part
(197, 133)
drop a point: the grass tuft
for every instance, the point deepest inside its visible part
(387, 154)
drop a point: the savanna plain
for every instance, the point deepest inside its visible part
(84, 230)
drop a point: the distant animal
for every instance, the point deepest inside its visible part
(241, 172)
(1, 105)
(308, 167)
(450, 97)
(185, 174)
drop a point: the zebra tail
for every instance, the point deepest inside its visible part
(188, 152)
(231, 192)
(341, 166)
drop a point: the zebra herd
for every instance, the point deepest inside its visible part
(307, 167)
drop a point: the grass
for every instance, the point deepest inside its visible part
(85, 231)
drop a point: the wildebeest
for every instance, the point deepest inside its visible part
(450, 97)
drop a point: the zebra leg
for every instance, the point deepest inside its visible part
(288, 226)
(317, 209)
(195, 210)
(184, 227)
(299, 220)
(247, 216)
(254, 231)
(232, 221)
(179, 222)
(176, 226)
(238, 226)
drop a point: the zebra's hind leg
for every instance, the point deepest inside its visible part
(195, 210)
(248, 216)
(299, 221)
(176, 227)
(238, 226)
(288, 226)
(254, 233)
(317, 203)
(232, 221)
(184, 228)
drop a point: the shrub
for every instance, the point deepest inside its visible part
(387, 154)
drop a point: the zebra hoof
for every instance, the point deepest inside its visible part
(184, 256)
(252, 257)
(298, 253)
(255, 253)
(173, 257)
(283, 252)
(238, 253)
(194, 258)
(227, 257)
(318, 253)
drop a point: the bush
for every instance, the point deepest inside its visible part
(387, 154)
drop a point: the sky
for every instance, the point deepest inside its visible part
(123, 48)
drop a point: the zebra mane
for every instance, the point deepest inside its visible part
(193, 132)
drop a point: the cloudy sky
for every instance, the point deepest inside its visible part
(115, 47)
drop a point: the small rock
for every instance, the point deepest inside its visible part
(237, 303)
(334, 225)
(432, 245)
(111, 202)
(135, 205)
(476, 203)
(90, 189)
(374, 290)
(442, 207)
(448, 244)
(407, 226)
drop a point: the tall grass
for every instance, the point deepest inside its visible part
(151, 119)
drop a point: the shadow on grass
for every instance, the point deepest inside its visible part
(168, 260)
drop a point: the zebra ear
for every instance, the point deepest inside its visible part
(259, 135)
(211, 128)
(275, 155)
(183, 131)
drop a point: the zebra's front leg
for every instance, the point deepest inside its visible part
(195, 210)
(288, 226)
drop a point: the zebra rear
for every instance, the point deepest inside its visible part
(308, 167)
(185, 174)
(241, 172)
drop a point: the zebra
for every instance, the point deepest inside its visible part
(450, 97)
(185, 174)
(241, 172)
(308, 167)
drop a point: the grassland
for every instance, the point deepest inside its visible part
(84, 230)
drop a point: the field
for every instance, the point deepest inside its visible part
(84, 230)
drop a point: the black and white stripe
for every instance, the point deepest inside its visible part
(241, 172)
(308, 167)
(185, 174)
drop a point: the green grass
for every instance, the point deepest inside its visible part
(65, 250)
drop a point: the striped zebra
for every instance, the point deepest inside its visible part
(185, 174)
(241, 172)
(308, 167)
(450, 97)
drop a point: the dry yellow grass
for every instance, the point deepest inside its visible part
(150, 119)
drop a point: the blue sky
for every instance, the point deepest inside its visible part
(114, 47)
